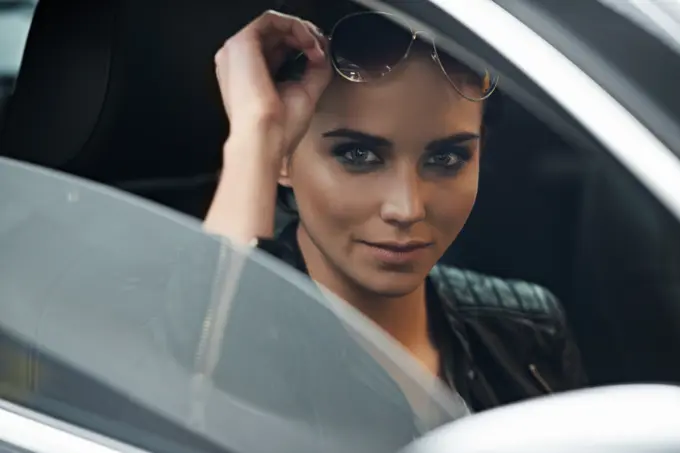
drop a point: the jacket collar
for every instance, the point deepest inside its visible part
(288, 238)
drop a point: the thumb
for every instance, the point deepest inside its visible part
(316, 78)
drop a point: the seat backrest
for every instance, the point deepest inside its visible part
(123, 90)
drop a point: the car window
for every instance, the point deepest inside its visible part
(150, 328)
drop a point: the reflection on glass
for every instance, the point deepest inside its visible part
(125, 318)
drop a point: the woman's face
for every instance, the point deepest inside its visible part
(387, 175)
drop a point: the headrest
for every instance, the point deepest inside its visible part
(119, 90)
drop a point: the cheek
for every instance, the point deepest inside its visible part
(328, 195)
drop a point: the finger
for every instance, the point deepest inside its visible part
(318, 34)
(321, 39)
(277, 56)
(316, 78)
(274, 28)
(242, 75)
(314, 54)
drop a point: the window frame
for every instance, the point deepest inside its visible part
(26, 430)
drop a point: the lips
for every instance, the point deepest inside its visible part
(399, 247)
(397, 253)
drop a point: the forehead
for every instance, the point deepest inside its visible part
(417, 96)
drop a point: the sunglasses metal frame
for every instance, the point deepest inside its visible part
(414, 37)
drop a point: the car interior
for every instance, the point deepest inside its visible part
(123, 93)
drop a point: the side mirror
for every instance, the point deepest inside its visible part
(616, 419)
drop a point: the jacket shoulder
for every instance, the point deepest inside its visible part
(471, 291)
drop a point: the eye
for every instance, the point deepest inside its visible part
(355, 154)
(445, 160)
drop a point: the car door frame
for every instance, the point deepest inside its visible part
(26, 430)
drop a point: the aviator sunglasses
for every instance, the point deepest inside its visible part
(366, 46)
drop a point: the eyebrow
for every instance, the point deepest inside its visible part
(378, 141)
(455, 139)
(374, 140)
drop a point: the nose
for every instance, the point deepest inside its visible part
(404, 203)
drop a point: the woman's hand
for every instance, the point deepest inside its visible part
(245, 65)
(267, 120)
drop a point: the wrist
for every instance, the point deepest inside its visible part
(244, 203)
(245, 198)
(264, 141)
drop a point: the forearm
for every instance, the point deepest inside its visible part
(244, 202)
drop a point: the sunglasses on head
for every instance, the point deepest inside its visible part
(366, 46)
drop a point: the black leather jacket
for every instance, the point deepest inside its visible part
(501, 340)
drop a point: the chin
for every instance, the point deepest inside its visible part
(390, 284)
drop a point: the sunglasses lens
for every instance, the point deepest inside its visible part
(472, 84)
(368, 46)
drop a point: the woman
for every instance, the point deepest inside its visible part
(379, 138)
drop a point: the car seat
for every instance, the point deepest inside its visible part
(124, 92)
